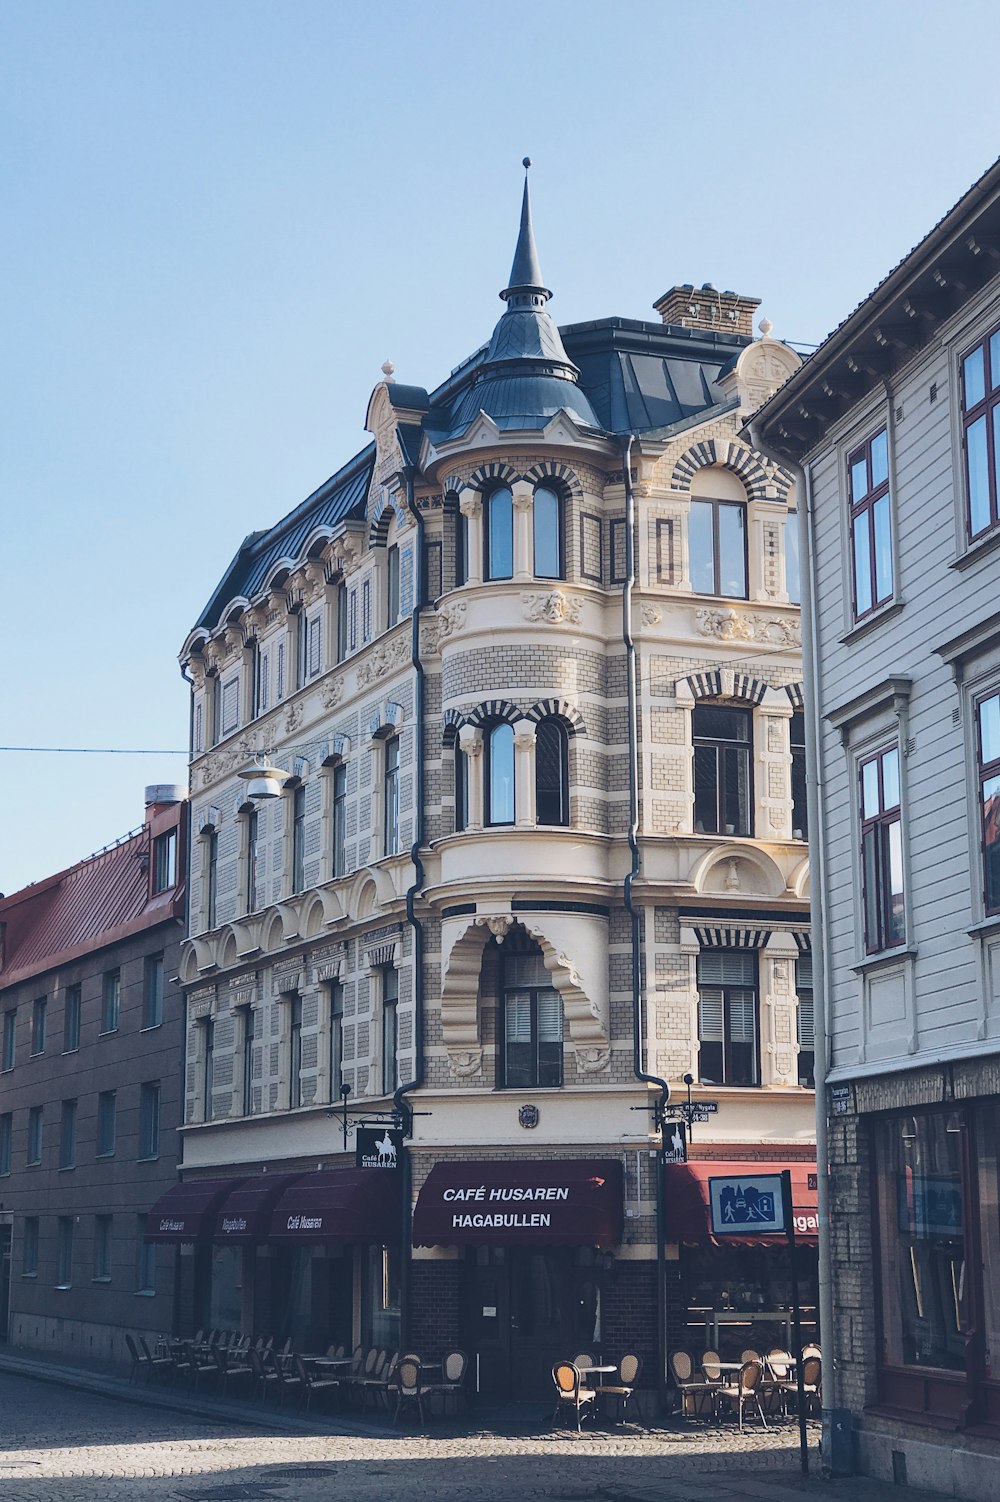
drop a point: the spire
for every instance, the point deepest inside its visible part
(526, 273)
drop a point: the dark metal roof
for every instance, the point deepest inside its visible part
(518, 397)
(526, 270)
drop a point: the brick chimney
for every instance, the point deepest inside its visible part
(706, 307)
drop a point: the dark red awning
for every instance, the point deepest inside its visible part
(245, 1214)
(340, 1204)
(687, 1212)
(563, 1202)
(187, 1211)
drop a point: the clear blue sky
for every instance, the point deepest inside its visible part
(220, 218)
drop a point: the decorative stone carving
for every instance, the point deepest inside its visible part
(554, 607)
(294, 717)
(449, 619)
(528, 1116)
(733, 877)
(470, 503)
(499, 925)
(731, 625)
(383, 660)
(593, 1060)
(465, 1062)
(333, 692)
(344, 552)
(650, 615)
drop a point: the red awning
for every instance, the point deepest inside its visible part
(340, 1204)
(687, 1216)
(187, 1211)
(245, 1214)
(563, 1202)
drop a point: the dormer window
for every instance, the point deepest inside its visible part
(165, 861)
(499, 534)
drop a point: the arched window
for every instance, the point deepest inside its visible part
(531, 1024)
(460, 523)
(551, 773)
(499, 534)
(461, 787)
(717, 534)
(548, 534)
(499, 772)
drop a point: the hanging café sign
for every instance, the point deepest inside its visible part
(572, 1202)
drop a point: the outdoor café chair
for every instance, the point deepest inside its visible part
(310, 1384)
(697, 1396)
(624, 1383)
(711, 1366)
(584, 1359)
(231, 1363)
(155, 1366)
(452, 1384)
(263, 1376)
(570, 1391)
(746, 1393)
(288, 1381)
(407, 1387)
(193, 1367)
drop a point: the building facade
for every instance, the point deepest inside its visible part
(526, 674)
(893, 421)
(90, 1087)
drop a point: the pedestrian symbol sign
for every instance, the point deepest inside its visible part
(746, 1204)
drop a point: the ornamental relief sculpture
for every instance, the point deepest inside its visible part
(465, 1062)
(333, 692)
(449, 619)
(383, 660)
(553, 607)
(730, 625)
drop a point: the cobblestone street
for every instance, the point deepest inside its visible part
(61, 1444)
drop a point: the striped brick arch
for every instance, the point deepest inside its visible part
(559, 476)
(488, 475)
(558, 709)
(723, 684)
(755, 474)
(794, 692)
(724, 936)
(493, 710)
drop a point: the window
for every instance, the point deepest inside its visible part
(6, 1134)
(38, 1010)
(390, 1029)
(722, 783)
(145, 1269)
(499, 534)
(314, 651)
(71, 1018)
(882, 852)
(341, 621)
(29, 1250)
(727, 1017)
(152, 990)
(336, 992)
(208, 1069)
(35, 1135)
(793, 581)
(230, 713)
(106, 1118)
(111, 996)
(9, 1037)
(259, 675)
(717, 543)
(250, 834)
(797, 741)
(499, 771)
(871, 538)
(67, 1135)
(392, 586)
(461, 787)
(249, 1035)
(149, 1121)
(804, 991)
(988, 760)
(295, 1051)
(340, 820)
(531, 1023)
(301, 649)
(165, 861)
(214, 689)
(211, 877)
(390, 796)
(547, 526)
(102, 1247)
(551, 773)
(461, 547)
(981, 429)
(298, 839)
(64, 1252)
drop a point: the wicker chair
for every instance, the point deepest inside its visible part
(570, 1391)
(622, 1386)
(407, 1387)
(452, 1384)
(697, 1397)
(746, 1393)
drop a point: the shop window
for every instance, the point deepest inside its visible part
(547, 524)
(340, 820)
(39, 1009)
(988, 762)
(111, 1000)
(165, 861)
(67, 1135)
(499, 534)
(390, 1029)
(981, 433)
(29, 1249)
(380, 1297)
(103, 1225)
(882, 851)
(390, 796)
(871, 524)
(531, 1017)
(225, 1301)
(107, 1113)
(145, 1269)
(298, 812)
(9, 1038)
(727, 1017)
(35, 1122)
(499, 773)
(797, 739)
(336, 994)
(149, 1120)
(921, 1207)
(804, 991)
(722, 778)
(64, 1251)
(551, 773)
(717, 544)
(152, 990)
(71, 1018)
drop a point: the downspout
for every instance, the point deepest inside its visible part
(399, 1101)
(631, 679)
(817, 920)
(182, 1070)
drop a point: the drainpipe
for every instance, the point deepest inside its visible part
(633, 845)
(817, 921)
(412, 892)
(182, 1061)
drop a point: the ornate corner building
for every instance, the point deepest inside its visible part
(529, 669)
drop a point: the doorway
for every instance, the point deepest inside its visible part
(524, 1309)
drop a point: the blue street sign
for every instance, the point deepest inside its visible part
(745, 1203)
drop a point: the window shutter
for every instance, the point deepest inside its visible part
(728, 967)
(804, 972)
(742, 1019)
(315, 646)
(352, 607)
(806, 1033)
(263, 685)
(199, 726)
(517, 1017)
(230, 705)
(366, 610)
(550, 1017)
(710, 1025)
(281, 670)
